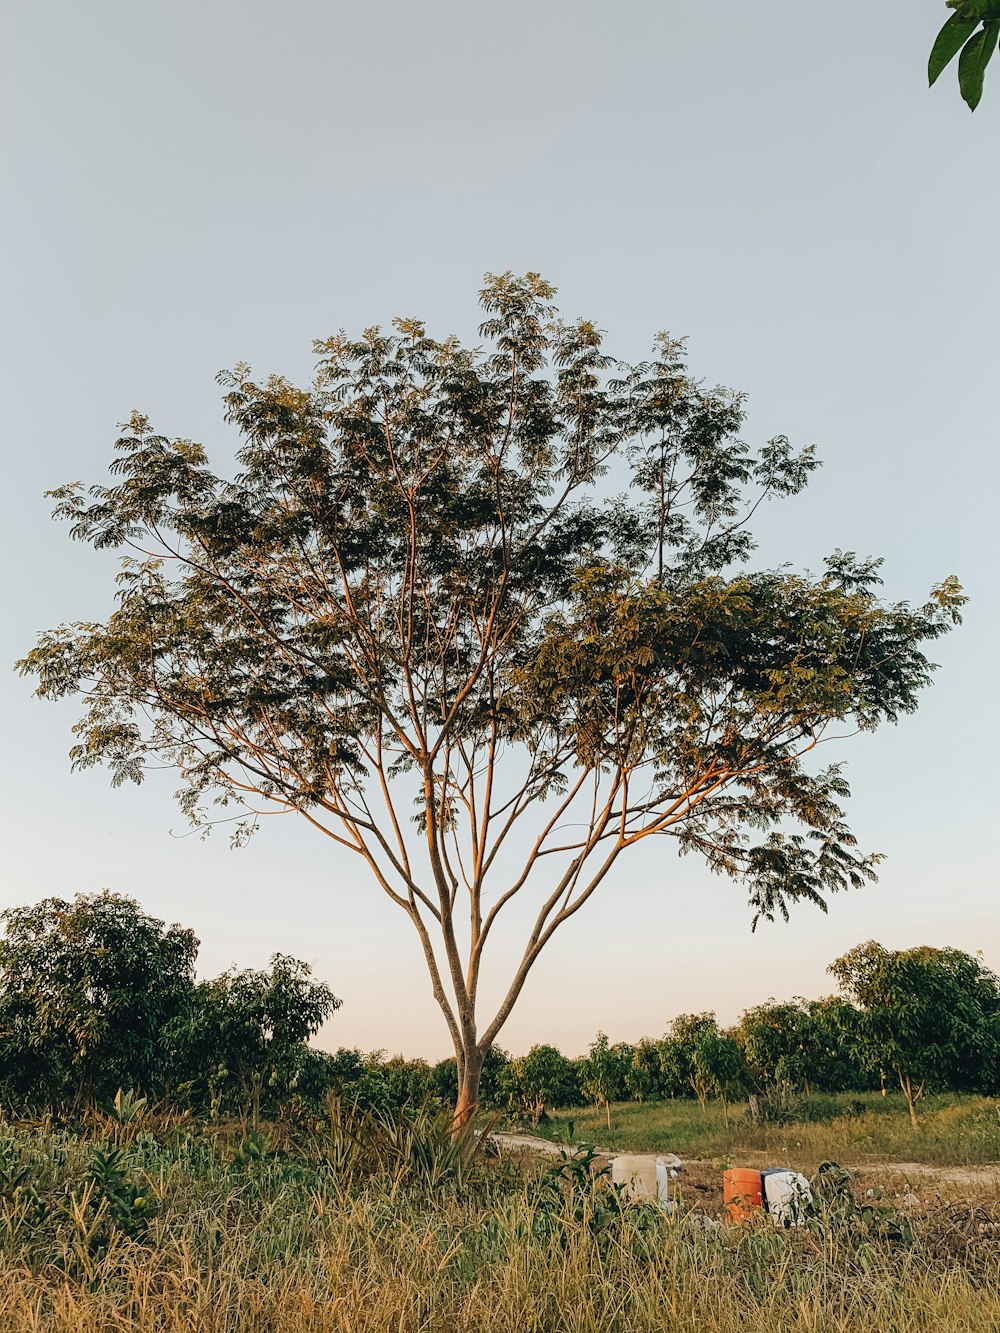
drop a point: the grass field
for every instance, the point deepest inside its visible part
(344, 1229)
(854, 1128)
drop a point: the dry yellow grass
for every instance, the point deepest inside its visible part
(289, 1245)
(371, 1264)
(534, 1289)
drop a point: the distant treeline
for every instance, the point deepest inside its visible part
(95, 996)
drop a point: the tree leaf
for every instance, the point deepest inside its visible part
(972, 62)
(947, 45)
(979, 10)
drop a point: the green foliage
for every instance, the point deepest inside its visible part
(602, 1073)
(777, 1041)
(363, 1081)
(708, 1062)
(98, 1000)
(684, 1052)
(86, 987)
(835, 1037)
(129, 1204)
(808, 1043)
(778, 1105)
(418, 567)
(240, 1041)
(931, 1016)
(575, 1194)
(407, 1080)
(642, 1073)
(577, 1169)
(128, 1107)
(422, 1145)
(838, 1210)
(973, 30)
(857, 1127)
(540, 1079)
(720, 1065)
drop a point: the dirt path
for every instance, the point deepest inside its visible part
(532, 1143)
(970, 1177)
(987, 1174)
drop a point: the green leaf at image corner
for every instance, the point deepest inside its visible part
(972, 62)
(977, 10)
(947, 44)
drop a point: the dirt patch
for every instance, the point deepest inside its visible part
(697, 1185)
(532, 1143)
(920, 1189)
(986, 1175)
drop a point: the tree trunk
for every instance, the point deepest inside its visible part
(607, 1107)
(471, 1070)
(911, 1098)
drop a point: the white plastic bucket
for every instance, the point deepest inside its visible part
(787, 1195)
(644, 1177)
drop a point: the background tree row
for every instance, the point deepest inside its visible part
(95, 995)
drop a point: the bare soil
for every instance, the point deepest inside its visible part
(915, 1185)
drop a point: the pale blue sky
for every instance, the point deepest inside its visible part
(188, 185)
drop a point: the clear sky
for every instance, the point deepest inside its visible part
(187, 185)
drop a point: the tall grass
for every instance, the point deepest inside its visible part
(845, 1127)
(237, 1236)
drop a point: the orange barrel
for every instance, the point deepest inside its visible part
(743, 1192)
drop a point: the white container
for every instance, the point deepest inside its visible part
(787, 1195)
(663, 1184)
(644, 1177)
(636, 1175)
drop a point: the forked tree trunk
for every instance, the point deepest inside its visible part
(470, 1072)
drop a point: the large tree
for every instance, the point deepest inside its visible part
(482, 616)
(931, 1016)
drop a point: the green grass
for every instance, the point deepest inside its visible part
(349, 1230)
(857, 1128)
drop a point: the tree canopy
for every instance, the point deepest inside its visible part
(97, 996)
(245, 1032)
(539, 1079)
(85, 989)
(464, 605)
(777, 1040)
(931, 1016)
